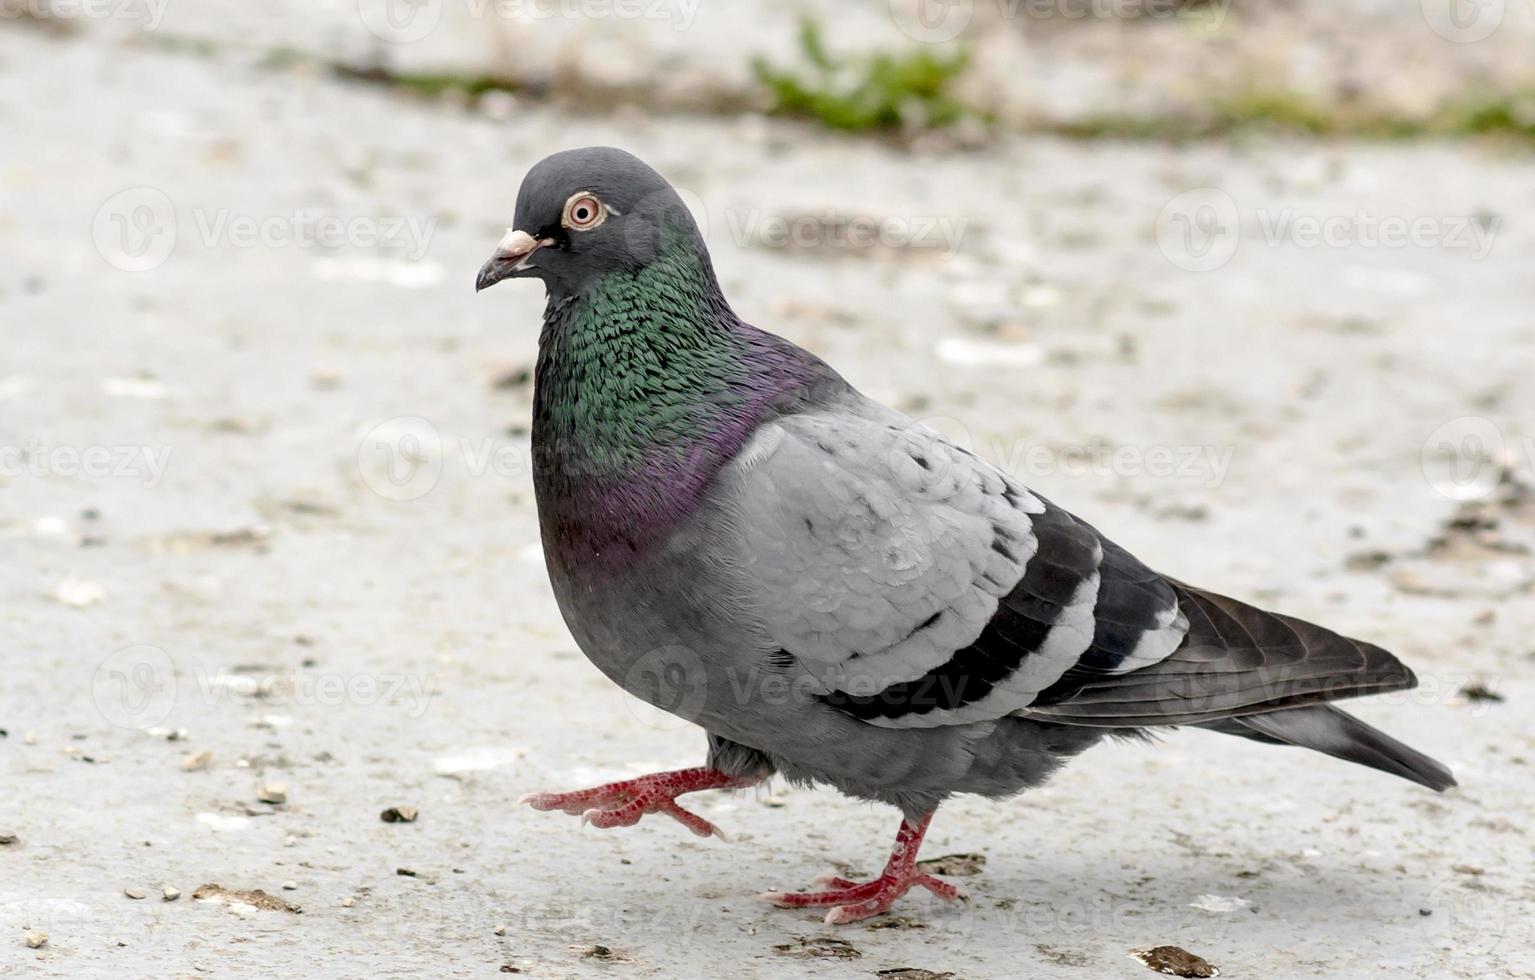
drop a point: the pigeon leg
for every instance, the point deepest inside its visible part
(621, 804)
(852, 901)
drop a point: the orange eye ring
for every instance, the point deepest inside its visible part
(583, 212)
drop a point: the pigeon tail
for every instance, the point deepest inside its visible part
(1342, 736)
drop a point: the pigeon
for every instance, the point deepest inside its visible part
(836, 594)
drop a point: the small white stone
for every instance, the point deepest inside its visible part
(1218, 903)
(145, 388)
(79, 593)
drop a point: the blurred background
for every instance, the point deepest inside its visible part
(1246, 284)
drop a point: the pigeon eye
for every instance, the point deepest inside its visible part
(583, 212)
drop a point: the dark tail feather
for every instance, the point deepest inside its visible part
(1342, 736)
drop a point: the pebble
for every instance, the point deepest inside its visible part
(79, 593)
(348, 902)
(35, 938)
(290, 886)
(399, 814)
(169, 894)
(7, 839)
(272, 793)
(134, 893)
(499, 930)
(196, 761)
(1176, 961)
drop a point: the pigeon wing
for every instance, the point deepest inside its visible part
(921, 586)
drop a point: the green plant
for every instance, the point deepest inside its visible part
(878, 91)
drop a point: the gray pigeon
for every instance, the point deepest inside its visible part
(833, 592)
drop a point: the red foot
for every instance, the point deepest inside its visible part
(854, 901)
(622, 804)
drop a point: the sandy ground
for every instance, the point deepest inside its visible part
(272, 504)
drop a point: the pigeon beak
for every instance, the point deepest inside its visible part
(510, 259)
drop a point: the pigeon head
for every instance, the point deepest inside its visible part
(585, 214)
